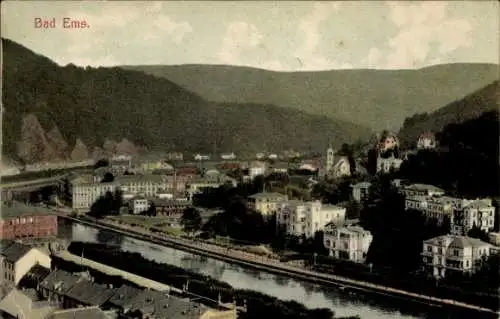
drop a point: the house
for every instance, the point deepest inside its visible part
(260, 156)
(387, 142)
(422, 190)
(387, 165)
(25, 304)
(17, 259)
(479, 213)
(121, 162)
(201, 157)
(266, 203)
(255, 169)
(279, 167)
(174, 156)
(86, 293)
(272, 156)
(360, 191)
(310, 164)
(228, 156)
(347, 242)
(300, 218)
(18, 220)
(450, 253)
(139, 204)
(426, 141)
(494, 238)
(432, 207)
(57, 284)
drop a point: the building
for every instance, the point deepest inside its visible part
(121, 162)
(266, 203)
(197, 185)
(336, 166)
(16, 260)
(19, 221)
(139, 204)
(260, 156)
(25, 304)
(82, 313)
(255, 169)
(479, 213)
(494, 238)
(432, 207)
(86, 191)
(422, 190)
(228, 156)
(448, 253)
(387, 142)
(201, 157)
(387, 165)
(347, 242)
(426, 141)
(278, 167)
(272, 156)
(360, 191)
(174, 156)
(300, 218)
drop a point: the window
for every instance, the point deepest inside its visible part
(440, 250)
(456, 252)
(467, 264)
(429, 249)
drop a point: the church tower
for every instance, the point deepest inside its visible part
(330, 155)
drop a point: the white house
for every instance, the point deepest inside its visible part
(255, 169)
(300, 218)
(17, 259)
(432, 207)
(273, 156)
(266, 203)
(453, 253)
(336, 166)
(200, 157)
(426, 141)
(228, 156)
(479, 213)
(139, 204)
(386, 165)
(360, 191)
(349, 242)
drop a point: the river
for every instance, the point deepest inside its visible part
(367, 306)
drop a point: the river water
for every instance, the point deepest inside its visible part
(367, 306)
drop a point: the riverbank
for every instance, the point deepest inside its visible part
(273, 266)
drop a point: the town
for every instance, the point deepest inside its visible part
(285, 160)
(314, 212)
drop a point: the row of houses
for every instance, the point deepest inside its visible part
(60, 294)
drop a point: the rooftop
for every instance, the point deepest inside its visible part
(362, 185)
(424, 187)
(89, 293)
(59, 280)
(267, 195)
(123, 295)
(159, 305)
(464, 241)
(15, 251)
(480, 203)
(17, 304)
(16, 209)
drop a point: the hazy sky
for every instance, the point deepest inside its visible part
(265, 34)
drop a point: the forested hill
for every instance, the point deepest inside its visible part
(53, 112)
(380, 99)
(470, 107)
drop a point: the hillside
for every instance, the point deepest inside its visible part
(53, 112)
(380, 99)
(470, 107)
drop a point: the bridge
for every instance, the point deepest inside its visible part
(31, 185)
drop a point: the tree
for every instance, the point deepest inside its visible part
(101, 163)
(191, 220)
(476, 232)
(151, 210)
(108, 178)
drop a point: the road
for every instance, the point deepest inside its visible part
(268, 264)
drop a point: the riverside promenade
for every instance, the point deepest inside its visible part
(267, 264)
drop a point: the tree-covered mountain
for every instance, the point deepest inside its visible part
(53, 112)
(380, 99)
(470, 107)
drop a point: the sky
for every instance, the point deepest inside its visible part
(274, 35)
